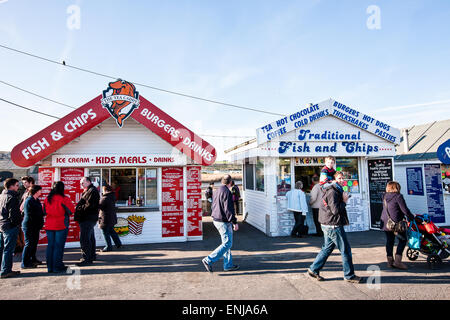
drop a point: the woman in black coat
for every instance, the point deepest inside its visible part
(108, 218)
(32, 224)
(394, 203)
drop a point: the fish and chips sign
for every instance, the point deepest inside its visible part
(275, 130)
(119, 101)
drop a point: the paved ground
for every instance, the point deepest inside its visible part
(271, 268)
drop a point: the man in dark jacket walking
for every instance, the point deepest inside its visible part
(86, 214)
(333, 218)
(10, 220)
(224, 219)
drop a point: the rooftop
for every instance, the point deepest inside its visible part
(423, 141)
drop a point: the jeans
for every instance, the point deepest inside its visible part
(87, 240)
(334, 237)
(31, 236)
(8, 240)
(390, 240)
(109, 233)
(316, 221)
(55, 249)
(224, 250)
(299, 226)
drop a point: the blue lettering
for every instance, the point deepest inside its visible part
(284, 146)
(302, 134)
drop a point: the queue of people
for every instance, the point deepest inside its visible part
(328, 201)
(327, 198)
(27, 216)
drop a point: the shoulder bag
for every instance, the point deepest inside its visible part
(391, 225)
(414, 237)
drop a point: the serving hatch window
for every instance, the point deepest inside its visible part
(132, 186)
(254, 175)
(284, 176)
(259, 175)
(349, 166)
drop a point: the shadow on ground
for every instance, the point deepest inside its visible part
(256, 254)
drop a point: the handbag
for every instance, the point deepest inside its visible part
(414, 237)
(391, 225)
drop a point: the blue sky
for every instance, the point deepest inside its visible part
(272, 55)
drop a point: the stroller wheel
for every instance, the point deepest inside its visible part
(412, 254)
(434, 261)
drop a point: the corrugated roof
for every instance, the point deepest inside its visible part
(424, 141)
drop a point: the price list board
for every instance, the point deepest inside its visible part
(435, 197)
(172, 202)
(46, 177)
(414, 181)
(194, 201)
(71, 178)
(380, 173)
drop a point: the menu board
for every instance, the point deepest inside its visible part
(285, 218)
(357, 214)
(380, 173)
(172, 202)
(46, 177)
(194, 201)
(71, 178)
(435, 198)
(414, 180)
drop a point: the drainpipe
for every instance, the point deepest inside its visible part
(405, 141)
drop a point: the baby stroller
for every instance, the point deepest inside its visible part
(435, 242)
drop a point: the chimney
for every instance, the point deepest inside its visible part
(405, 141)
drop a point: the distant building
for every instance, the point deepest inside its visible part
(424, 179)
(9, 170)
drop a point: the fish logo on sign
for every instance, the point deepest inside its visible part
(120, 99)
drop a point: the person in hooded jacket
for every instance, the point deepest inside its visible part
(32, 224)
(10, 220)
(394, 203)
(108, 218)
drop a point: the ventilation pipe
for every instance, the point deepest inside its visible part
(405, 141)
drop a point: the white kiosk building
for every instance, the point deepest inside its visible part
(293, 148)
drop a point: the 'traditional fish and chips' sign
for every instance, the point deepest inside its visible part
(295, 121)
(120, 101)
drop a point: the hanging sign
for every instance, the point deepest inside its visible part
(443, 152)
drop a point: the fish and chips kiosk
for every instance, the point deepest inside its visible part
(152, 161)
(293, 149)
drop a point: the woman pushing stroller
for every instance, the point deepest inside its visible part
(394, 207)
